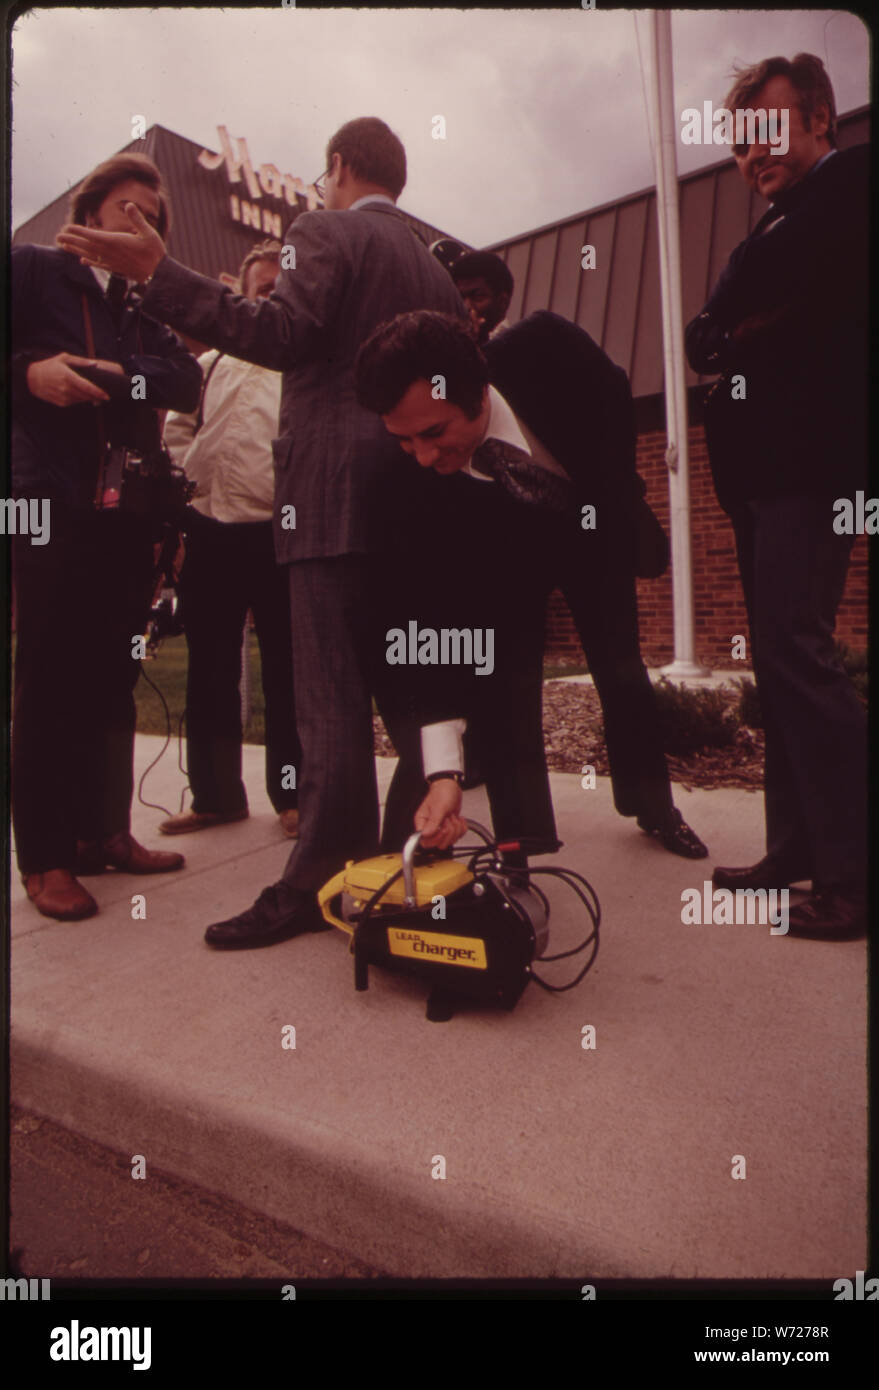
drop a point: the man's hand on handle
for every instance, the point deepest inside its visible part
(437, 817)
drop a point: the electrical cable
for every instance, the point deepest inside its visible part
(490, 852)
(152, 804)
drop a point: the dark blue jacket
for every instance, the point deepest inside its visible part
(55, 449)
(802, 425)
(575, 400)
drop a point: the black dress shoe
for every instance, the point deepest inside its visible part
(828, 915)
(676, 836)
(277, 914)
(769, 873)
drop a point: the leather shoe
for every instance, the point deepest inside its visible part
(56, 893)
(769, 873)
(676, 836)
(122, 852)
(277, 914)
(190, 821)
(827, 915)
(290, 822)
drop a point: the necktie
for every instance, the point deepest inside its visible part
(519, 475)
(117, 293)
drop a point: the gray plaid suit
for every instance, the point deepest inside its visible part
(353, 271)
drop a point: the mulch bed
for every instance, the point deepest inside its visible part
(573, 733)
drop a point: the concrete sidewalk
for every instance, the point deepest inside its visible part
(712, 1042)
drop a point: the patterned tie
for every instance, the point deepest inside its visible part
(519, 475)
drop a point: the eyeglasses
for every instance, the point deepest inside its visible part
(320, 184)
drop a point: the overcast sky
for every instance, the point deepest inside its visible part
(544, 109)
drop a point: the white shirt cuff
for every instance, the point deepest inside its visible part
(442, 746)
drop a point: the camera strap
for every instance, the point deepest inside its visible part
(204, 390)
(102, 435)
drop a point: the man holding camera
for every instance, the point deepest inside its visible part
(82, 594)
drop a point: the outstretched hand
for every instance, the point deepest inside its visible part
(134, 254)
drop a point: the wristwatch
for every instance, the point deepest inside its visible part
(439, 776)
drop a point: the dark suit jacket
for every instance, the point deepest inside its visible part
(578, 403)
(459, 552)
(575, 400)
(354, 270)
(493, 561)
(55, 448)
(802, 425)
(462, 554)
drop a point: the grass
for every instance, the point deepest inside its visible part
(168, 672)
(690, 718)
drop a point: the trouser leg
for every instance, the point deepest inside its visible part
(50, 607)
(816, 751)
(269, 598)
(214, 607)
(121, 585)
(602, 597)
(331, 615)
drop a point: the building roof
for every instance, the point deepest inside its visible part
(214, 221)
(618, 303)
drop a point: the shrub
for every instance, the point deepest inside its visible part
(691, 720)
(748, 709)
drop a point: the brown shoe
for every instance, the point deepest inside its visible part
(122, 852)
(190, 821)
(290, 822)
(56, 893)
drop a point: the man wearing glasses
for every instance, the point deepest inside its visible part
(787, 435)
(341, 276)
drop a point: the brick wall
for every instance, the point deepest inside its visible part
(718, 600)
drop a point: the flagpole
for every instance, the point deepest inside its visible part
(664, 138)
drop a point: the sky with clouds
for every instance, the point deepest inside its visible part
(544, 109)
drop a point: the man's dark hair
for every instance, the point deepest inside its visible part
(806, 74)
(260, 251)
(483, 265)
(418, 347)
(372, 152)
(90, 194)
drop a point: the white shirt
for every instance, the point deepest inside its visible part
(372, 198)
(103, 277)
(504, 425)
(230, 459)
